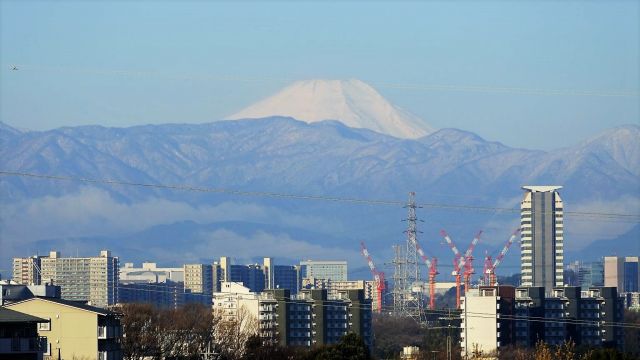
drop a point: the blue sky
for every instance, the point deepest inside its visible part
(125, 63)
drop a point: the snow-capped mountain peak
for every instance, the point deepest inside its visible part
(353, 102)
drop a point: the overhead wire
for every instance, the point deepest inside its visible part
(482, 315)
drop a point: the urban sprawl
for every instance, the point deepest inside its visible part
(60, 307)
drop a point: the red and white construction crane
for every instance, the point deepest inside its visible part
(378, 276)
(432, 265)
(491, 268)
(466, 262)
(460, 262)
(456, 265)
(488, 264)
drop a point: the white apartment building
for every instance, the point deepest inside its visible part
(484, 325)
(236, 302)
(150, 273)
(336, 289)
(542, 235)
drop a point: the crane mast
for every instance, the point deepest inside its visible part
(462, 262)
(432, 265)
(378, 276)
(456, 264)
(492, 270)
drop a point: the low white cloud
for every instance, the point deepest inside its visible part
(93, 212)
(588, 228)
(211, 244)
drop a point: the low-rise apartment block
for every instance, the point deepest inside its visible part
(19, 337)
(588, 317)
(312, 318)
(74, 330)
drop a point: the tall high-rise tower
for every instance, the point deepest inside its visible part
(542, 248)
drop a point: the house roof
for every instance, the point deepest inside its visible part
(70, 303)
(12, 316)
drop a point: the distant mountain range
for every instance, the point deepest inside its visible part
(243, 167)
(282, 154)
(277, 154)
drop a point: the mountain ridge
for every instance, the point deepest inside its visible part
(450, 167)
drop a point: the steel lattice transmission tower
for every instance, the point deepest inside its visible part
(406, 302)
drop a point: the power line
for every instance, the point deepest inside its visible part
(389, 308)
(619, 217)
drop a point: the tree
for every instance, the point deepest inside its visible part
(256, 350)
(393, 333)
(631, 334)
(543, 351)
(186, 332)
(350, 347)
(183, 333)
(139, 325)
(233, 333)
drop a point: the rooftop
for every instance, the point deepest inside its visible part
(70, 303)
(12, 316)
(544, 188)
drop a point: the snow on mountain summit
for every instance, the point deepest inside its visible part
(352, 102)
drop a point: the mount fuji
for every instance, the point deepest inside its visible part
(352, 102)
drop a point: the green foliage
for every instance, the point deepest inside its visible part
(255, 350)
(393, 333)
(350, 347)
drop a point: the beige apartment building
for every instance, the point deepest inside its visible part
(74, 331)
(198, 278)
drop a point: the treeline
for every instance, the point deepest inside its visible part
(393, 333)
(184, 333)
(195, 332)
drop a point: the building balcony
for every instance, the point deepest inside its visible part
(22, 345)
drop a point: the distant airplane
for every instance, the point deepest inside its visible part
(14, 67)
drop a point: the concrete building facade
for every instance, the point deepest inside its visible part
(587, 317)
(150, 273)
(329, 270)
(198, 279)
(88, 279)
(487, 323)
(335, 288)
(542, 237)
(26, 271)
(614, 272)
(622, 272)
(313, 318)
